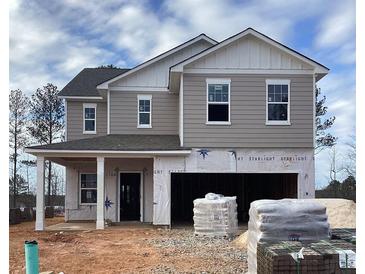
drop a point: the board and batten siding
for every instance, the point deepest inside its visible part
(75, 120)
(124, 111)
(248, 127)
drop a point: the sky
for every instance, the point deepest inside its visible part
(51, 41)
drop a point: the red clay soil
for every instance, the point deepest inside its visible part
(120, 250)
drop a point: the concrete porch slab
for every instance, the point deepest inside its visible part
(80, 226)
(71, 226)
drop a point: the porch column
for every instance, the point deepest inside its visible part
(39, 223)
(100, 193)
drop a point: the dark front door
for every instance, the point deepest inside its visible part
(130, 196)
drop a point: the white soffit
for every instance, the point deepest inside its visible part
(200, 37)
(255, 42)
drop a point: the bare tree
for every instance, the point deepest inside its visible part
(18, 111)
(350, 163)
(334, 169)
(28, 164)
(47, 121)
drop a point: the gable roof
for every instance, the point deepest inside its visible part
(319, 68)
(84, 84)
(202, 36)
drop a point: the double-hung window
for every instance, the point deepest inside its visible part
(277, 102)
(89, 115)
(88, 188)
(218, 101)
(144, 111)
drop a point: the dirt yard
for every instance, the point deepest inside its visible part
(126, 250)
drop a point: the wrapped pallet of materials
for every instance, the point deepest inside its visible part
(215, 215)
(284, 220)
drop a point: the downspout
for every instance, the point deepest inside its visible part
(65, 119)
(108, 112)
(181, 110)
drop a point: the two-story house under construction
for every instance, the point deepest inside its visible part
(235, 117)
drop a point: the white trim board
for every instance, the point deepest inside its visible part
(317, 67)
(157, 58)
(111, 152)
(249, 71)
(82, 97)
(137, 88)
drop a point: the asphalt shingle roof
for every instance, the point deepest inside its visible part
(122, 142)
(85, 83)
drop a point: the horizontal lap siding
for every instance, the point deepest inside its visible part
(248, 113)
(123, 113)
(75, 120)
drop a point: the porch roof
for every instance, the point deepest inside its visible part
(115, 142)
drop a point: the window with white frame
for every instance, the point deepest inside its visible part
(144, 111)
(89, 118)
(88, 190)
(278, 102)
(218, 101)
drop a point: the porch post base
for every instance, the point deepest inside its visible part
(100, 224)
(39, 226)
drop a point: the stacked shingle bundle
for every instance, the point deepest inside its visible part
(215, 215)
(318, 257)
(284, 220)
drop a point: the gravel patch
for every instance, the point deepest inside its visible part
(215, 254)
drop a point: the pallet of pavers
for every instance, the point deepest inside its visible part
(326, 256)
(347, 234)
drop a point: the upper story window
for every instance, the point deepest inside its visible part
(218, 101)
(88, 188)
(89, 118)
(144, 111)
(278, 102)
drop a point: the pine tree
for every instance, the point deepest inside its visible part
(323, 138)
(47, 121)
(18, 111)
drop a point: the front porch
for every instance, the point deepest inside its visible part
(109, 178)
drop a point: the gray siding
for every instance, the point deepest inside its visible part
(123, 113)
(248, 114)
(75, 120)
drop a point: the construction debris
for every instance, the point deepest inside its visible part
(284, 220)
(215, 215)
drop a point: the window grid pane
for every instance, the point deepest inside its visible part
(218, 93)
(89, 113)
(277, 93)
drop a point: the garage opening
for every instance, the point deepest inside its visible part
(248, 187)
